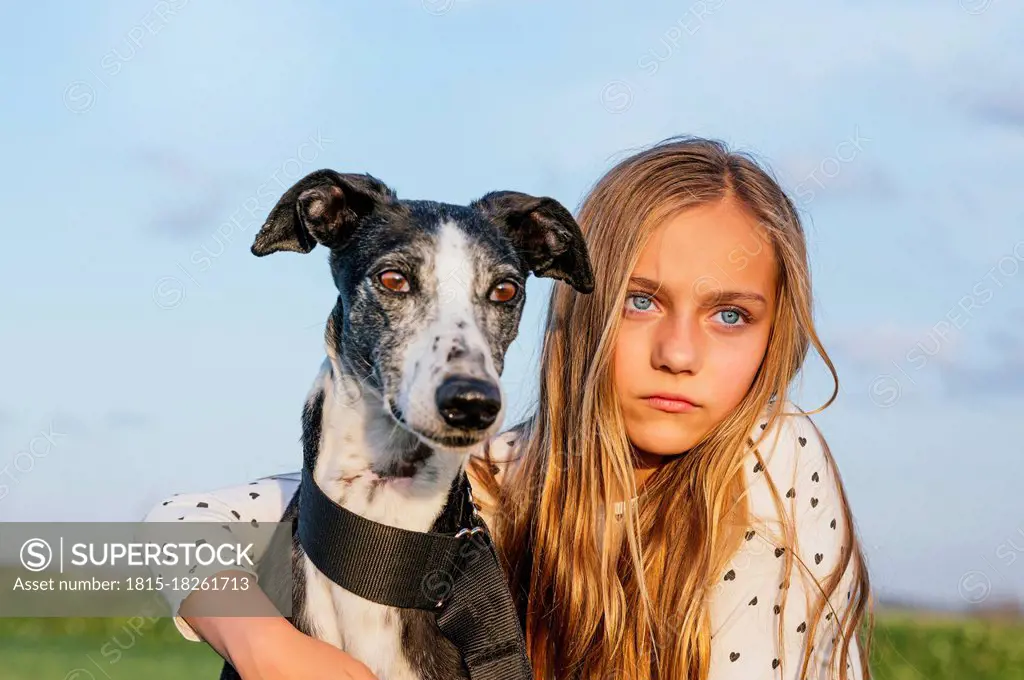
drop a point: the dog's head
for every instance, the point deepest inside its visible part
(429, 294)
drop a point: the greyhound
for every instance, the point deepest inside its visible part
(430, 297)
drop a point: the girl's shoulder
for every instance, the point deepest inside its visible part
(799, 538)
(792, 456)
(786, 444)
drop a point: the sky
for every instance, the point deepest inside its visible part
(146, 352)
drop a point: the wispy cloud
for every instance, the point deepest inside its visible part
(124, 419)
(879, 347)
(170, 164)
(198, 195)
(1004, 109)
(810, 180)
(196, 215)
(1000, 376)
(936, 362)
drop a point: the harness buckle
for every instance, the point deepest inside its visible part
(470, 532)
(460, 556)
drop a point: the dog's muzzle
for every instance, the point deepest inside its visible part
(468, 403)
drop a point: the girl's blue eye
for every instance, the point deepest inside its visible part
(731, 317)
(641, 303)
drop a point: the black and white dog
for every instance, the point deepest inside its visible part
(429, 300)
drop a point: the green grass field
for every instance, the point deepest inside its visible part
(917, 648)
(905, 648)
(101, 649)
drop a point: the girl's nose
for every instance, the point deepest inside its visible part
(677, 345)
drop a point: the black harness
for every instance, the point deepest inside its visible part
(454, 574)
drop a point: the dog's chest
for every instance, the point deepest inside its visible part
(368, 631)
(371, 632)
(395, 644)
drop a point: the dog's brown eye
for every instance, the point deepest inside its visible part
(393, 280)
(504, 291)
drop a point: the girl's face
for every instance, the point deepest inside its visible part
(695, 326)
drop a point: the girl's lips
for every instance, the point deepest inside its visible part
(671, 404)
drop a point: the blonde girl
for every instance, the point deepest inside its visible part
(730, 552)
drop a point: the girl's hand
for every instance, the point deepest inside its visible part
(268, 646)
(281, 652)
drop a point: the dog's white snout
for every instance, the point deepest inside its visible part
(450, 380)
(460, 351)
(464, 352)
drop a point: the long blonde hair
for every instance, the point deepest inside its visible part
(586, 612)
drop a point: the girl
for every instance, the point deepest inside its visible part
(730, 552)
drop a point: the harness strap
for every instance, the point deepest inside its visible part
(456, 576)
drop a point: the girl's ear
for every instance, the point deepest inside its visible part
(545, 234)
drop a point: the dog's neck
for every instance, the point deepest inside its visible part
(369, 464)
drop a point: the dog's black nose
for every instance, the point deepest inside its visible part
(468, 403)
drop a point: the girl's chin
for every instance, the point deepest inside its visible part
(662, 438)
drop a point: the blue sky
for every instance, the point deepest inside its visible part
(146, 352)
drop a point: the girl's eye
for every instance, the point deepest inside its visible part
(394, 281)
(639, 303)
(732, 317)
(503, 292)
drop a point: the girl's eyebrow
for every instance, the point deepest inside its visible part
(646, 284)
(726, 296)
(710, 297)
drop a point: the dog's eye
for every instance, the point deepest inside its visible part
(504, 291)
(394, 281)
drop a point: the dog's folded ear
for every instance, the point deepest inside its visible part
(545, 234)
(323, 207)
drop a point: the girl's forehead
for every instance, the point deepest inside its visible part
(718, 244)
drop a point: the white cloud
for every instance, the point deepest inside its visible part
(878, 347)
